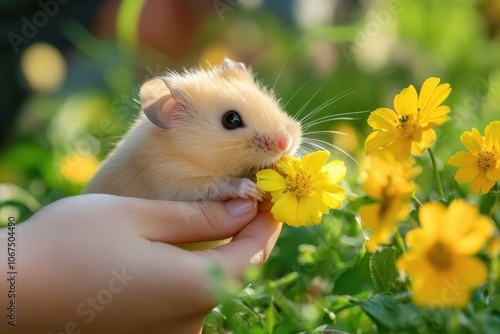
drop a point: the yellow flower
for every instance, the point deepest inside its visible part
(494, 247)
(441, 260)
(307, 189)
(481, 166)
(410, 127)
(390, 183)
(78, 168)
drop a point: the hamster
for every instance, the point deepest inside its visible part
(202, 136)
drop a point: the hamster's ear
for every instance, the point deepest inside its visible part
(229, 65)
(158, 103)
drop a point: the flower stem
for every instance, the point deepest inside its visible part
(400, 242)
(436, 174)
(496, 201)
(417, 202)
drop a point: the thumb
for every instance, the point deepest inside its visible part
(185, 222)
(252, 245)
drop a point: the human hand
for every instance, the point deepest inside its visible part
(105, 264)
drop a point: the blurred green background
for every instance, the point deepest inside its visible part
(80, 96)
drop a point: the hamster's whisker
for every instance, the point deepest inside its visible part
(325, 119)
(345, 115)
(337, 117)
(301, 152)
(137, 101)
(349, 113)
(325, 132)
(296, 116)
(281, 70)
(327, 103)
(318, 144)
(314, 145)
(296, 92)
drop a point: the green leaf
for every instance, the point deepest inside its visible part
(383, 310)
(356, 280)
(386, 312)
(491, 325)
(271, 318)
(337, 303)
(356, 203)
(383, 270)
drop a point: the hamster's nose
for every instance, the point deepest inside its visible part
(283, 142)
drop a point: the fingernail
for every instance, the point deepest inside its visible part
(239, 207)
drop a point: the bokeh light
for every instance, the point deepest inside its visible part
(44, 68)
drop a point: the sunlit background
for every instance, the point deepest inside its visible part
(78, 95)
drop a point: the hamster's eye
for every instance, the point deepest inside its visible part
(232, 120)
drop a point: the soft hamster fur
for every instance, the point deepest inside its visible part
(179, 149)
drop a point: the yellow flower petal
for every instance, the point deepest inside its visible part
(426, 92)
(416, 240)
(436, 97)
(428, 214)
(333, 200)
(472, 141)
(473, 240)
(285, 209)
(458, 210)
(336, 170)
(473, 230)
(481, 184)
(288, 165)
(438, 293)
(437, 117)
(471, 271)
(330, 188)
(383, 118)
(400, 148)
(492, 136)
(382, 220)
(270, 180)
(371, 219)
(379, 139)
(467, 174)
(494, 173)
(463, 159)
(310, 211)
(427, 138)
(369, 215)
(405, 102)
(315, 160)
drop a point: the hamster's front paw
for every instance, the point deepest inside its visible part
(246, 188)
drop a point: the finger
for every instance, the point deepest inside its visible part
(265, 205)
(252, 245)
(185, 222)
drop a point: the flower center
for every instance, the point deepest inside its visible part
(407, 124)
(486, 160)
(440, 256)
(302, 184)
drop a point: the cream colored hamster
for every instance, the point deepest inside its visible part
(203, 135)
